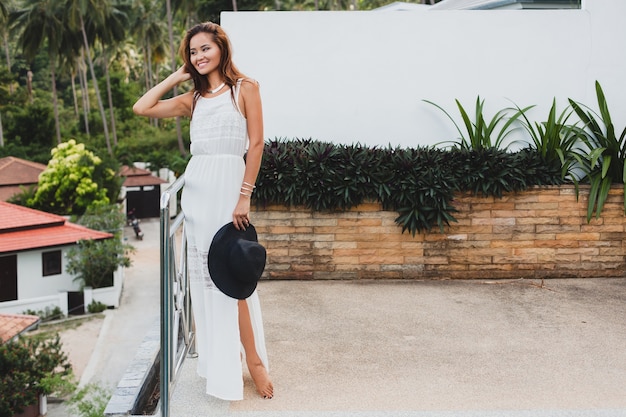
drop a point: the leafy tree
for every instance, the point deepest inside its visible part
(95, 261)
(30, 367)
(32, 124)
(72, 182)
(41, 25)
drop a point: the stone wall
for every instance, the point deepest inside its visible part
(540, 233)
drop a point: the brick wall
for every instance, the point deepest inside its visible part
(540, 233)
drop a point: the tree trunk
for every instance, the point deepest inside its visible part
(1, 133)
(179, 135)
(8, 58)
(74, 95)
(105, 128)
(149, 73)
(55, 102)
(85, 88)
(110, 98)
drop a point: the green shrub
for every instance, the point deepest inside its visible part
(417, 183)
(30, 367)
(46, 314)
(96, 307)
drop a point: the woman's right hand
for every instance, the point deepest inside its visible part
(182, 74)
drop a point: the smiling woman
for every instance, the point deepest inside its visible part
(226, 124)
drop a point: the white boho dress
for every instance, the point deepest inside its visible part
(213, 178)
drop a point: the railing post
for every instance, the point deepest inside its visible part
(166, 312)
(168, 365)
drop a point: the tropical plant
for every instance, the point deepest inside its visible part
(555, 139)
(41, 24)
(92, 19)
(480, 133)
(95, 261)
(421, 189)
(111, 34)
(418, 183)
(603, 160)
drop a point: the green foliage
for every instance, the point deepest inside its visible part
(30, 367)
(554, 139)
(95, 261)
(73, 181)
(492, 172)
(418, 183)
(90, 401)
(421, 188)
(96, 307)
(157, 147)
(480, 133)
(46, 314)
(603, 159)
(32, 124)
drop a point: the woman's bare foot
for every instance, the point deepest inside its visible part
(261, 379)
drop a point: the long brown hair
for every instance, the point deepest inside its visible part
(227, 68)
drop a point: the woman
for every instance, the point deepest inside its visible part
(226, 116)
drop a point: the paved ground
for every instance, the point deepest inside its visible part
(102, 349)
(400, 348)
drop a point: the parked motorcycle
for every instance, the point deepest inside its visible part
(134, 222)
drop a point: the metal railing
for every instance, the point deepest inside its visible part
(177, 335)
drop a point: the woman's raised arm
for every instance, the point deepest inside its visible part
(151, 105)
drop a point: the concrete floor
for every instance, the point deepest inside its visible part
(424, 348)
(399, 348)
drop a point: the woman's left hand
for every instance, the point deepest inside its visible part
(241, 215)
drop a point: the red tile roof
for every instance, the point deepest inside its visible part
(22, 229)
(13, 324)
(16, 171)
(137, 177)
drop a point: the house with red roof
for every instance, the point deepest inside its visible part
(13, 325)
(141, 189)
(16, 173)
(33, 260)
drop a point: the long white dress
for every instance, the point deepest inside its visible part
(213, 178)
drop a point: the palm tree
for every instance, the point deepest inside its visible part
(170, 30)
(40, 21)
(94, 11)
(4, 14)
(111, 32)
(72, 62)
(150, 32)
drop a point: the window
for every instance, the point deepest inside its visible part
(51, 262)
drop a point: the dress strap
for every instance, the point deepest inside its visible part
(196, 96)
(237, 90)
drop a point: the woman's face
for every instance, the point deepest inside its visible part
(205, 55)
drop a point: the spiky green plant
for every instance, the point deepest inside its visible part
(555, 139)
(480, 133)
(603, 160)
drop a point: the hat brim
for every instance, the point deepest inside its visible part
(221, 275)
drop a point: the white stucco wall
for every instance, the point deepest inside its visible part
(361, 76)
(31, 283)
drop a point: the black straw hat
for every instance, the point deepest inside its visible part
(236, 261)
